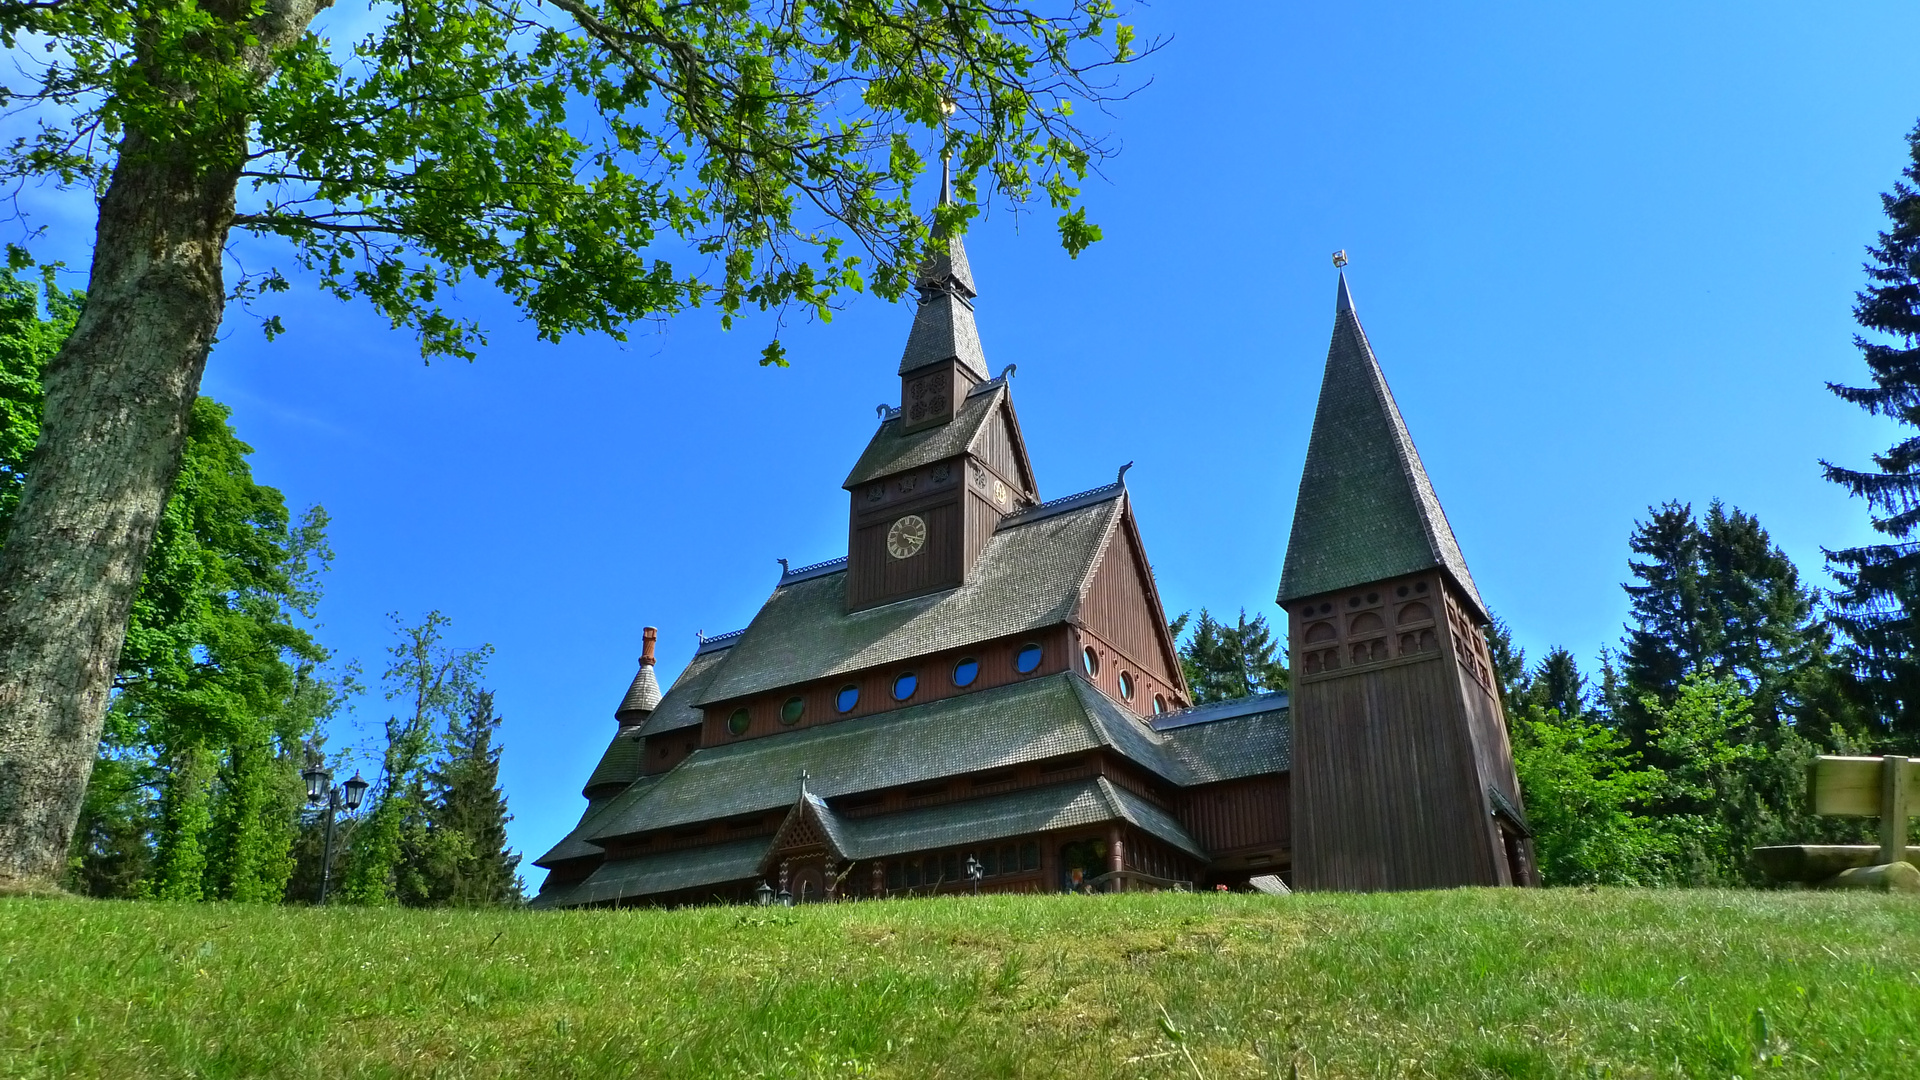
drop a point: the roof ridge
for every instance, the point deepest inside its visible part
(811, 571)
(1062, 505)
(718, 641)
(1231, 708)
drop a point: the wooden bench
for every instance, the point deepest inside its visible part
(1884, 787)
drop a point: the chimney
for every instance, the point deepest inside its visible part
(644, 694)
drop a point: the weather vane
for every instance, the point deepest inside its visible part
(1340, 258)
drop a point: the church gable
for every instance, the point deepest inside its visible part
(1120, 605)
(999, 445)
(809, 829)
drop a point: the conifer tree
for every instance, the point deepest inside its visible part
(1716, 597)
(469, 864)
(1878, 601)
(1222, 662)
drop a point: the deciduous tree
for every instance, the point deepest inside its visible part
(595, 161)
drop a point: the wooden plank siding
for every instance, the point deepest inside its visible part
(1388, 788)
(875, 577)
(1120, 618)
(933, 672)
(1239, 816)
(999, 447)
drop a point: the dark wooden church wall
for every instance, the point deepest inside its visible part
(1119, 609)
(1385, 786)
(982, 519)
(1240, 814)
(934, 680)
(995, 446)
(1493, 751)
(875, 576)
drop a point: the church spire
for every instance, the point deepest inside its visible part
(943, 326)
(1367, 510)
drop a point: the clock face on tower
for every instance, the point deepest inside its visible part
(907, 537)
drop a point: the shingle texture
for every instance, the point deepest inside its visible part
(943, 329)
(890, 452)
(575, 845)
(1027, 577)
(1007, 725)
(643, 696)
(943, 326)
(1366, 510)
(670, 871)
(948, 266)
(678, 709)
(997, 817)
(1234, 747)
(619, 765)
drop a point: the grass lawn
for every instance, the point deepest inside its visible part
(1467, 983)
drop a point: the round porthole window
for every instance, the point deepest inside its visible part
(849, 697)
(1126, 686)
(793, 710)
(1091, 661)
(737, 723)
(904, 686)
(1027, 659)
(966, 671)
(1159, 705)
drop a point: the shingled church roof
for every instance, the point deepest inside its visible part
(890, 452)
(943, 326)
(1043, 718)
(1029, 575)
(1367, 510)
(679, 708)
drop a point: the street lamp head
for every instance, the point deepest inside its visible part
(353, 791)
(317, 782)
(786, 898)
(973, 868)
(764, 894)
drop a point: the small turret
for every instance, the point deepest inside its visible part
(644, 695)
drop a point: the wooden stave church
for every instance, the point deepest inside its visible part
(1047, 735)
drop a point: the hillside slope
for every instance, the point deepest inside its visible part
(1467, 983)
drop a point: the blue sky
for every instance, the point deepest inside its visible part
(1606, 258)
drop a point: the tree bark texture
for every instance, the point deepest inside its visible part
(118, 398)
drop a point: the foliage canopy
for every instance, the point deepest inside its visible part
(597, 161)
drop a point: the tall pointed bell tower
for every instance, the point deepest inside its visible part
(948, 464)
(1402, 773)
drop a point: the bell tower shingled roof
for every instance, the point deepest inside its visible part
(943, 326)
(1367, 510)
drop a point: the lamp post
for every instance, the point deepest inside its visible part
(764, 894)
(974, 873)
(346, 797)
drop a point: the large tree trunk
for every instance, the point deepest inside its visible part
(118, 397)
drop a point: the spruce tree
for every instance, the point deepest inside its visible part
(468, 863)
(1716, 597)
(1222, 662)
(1878, 600)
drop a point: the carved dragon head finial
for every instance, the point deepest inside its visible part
(1122, 478)
(784, 568)
(1007, 372)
